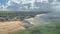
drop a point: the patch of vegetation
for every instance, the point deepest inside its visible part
(45, 29)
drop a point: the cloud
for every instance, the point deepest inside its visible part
(23, 4)
(55, 6)
(16, 1)
(45, 1)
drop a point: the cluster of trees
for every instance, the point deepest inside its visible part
(19, 14)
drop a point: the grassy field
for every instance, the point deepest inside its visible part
(51, 28)
(40, 30)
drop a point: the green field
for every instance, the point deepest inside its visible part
(52, 28)
(40, 30)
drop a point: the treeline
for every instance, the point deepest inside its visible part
(20, 13)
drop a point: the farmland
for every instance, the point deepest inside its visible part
(14, 26)
(7, 27)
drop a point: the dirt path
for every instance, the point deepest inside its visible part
(6, 27)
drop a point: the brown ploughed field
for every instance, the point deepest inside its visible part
(11, 26)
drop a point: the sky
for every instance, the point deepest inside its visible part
(41, 5)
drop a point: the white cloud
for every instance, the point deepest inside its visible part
(16, 1)
(27, 2)
(55, 6)
(45, 1)
(9, 3)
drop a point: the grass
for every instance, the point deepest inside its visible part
(39, 30)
